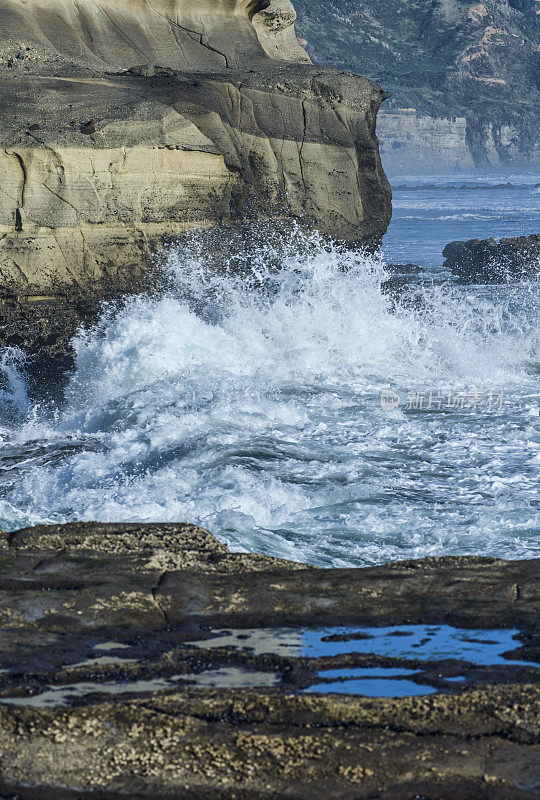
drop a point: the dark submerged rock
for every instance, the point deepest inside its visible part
(488, 261)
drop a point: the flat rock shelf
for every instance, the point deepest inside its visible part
(149, 661)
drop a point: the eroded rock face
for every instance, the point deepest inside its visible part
(200, 34)
(101, 157)
(109, 661)
(416, 142)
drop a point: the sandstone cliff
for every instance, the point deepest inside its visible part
(415, 141)
(100, 157)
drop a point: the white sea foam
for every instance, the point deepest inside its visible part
(248, 400)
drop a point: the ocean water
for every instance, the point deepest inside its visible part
(294, 406)
(431, 211)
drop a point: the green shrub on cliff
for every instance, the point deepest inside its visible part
(442, 57)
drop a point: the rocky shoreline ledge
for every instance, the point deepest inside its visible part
(149, 661)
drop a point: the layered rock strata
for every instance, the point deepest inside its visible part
(416, 142)
(103, 688)
(101, 158)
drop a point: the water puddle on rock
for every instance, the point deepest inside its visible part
(371, 682)
(56, 696)
(425, 643)
(429, 643)
(231, 678)
(224, 678)
(101, 661)
(419, 642)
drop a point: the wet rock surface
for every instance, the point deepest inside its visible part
(149, 661)
(489, 261)
(37, 338)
